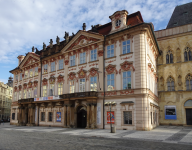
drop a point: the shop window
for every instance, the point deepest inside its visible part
(72, 60)
(110, 82)
(170, 84)
(82, 58)
(94, 55)
(127, 80)
(71, 86)
(127, 116)
(82, 85)
(50, 116)
(60, 64)
(42, 116)
(93, 83)
(126, 47)
(187, 54)
(13, 116)
(110, 51)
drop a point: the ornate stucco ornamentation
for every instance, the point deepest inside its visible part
(44, 82)
(111, 69)
(24, 85)
(52, 80)
(60, 78)
(20, 87)
(82, 73)
(66, 62)
(127, 65)
(126, 92)
(35, 83)
(30, 84)
(100, 53)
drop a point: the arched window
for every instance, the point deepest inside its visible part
(189, 82)
(188, 103)
(170, 84)
(187, 54)
(169, 57)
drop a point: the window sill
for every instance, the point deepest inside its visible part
(93, 61)
(35, 75)
(45, 73)
(60, 69)
(52, 71)
(72, 66)
(82, 64)
(126, 54)
(110, 57)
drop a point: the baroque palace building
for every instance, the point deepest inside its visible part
(67, 84)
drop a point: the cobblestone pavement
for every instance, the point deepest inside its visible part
(50, 138)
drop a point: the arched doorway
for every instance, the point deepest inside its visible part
(81, 117)
(188, 107)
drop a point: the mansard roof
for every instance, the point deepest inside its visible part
(182, 15)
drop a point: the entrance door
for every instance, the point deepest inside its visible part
(81, 117)
(189, 116)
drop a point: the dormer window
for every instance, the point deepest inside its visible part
(118, 23)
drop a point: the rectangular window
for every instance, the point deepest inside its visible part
(110, 51)
(16, 78)
(82, 85)
(20, 76)
(19, 94)
(35, 92)
(93, 83)
(36, 71)
(29, 93)
(31, 73)
(44, 91)
(60, 64)
(15, 96)
(42, 116)
(126, 47)
(82, 58)
(110, 82)
(94, 55)
(24, 94)
(45, 68)
(13, 116)
(60, 89)
(127, 115)
(127, 80)
(26, 74)
(71, 86)
(52, 66)
(72, 60)
(50, 116)
(51, 93)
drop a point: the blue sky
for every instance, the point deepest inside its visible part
(27, 23)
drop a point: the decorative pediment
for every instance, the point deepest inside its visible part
(30, 84)
(127, 65)
(44, 82)
(82, 73)
(111, 69)
(20, 87)
(93, 71)
(25, 85)
(35, 83)
(52, 80)
(72, 75)
(30, 59)
(60, 78)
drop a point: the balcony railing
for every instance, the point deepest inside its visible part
(27, 100)
(79, 95)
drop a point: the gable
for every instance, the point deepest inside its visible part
(82, 39)
(29, 60)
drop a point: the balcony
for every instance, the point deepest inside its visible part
(79, 95)
(27, 100)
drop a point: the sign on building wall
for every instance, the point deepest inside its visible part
(46, 98)
(112, 117)
(58, 116)
(98, 113)
(170, 112)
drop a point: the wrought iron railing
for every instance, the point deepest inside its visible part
(79, 95)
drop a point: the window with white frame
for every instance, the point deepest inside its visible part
(31, 73)
(82, 58)
(71, 86)
(19, 94)
(26, 74)
(93, 83)
(15, 96)
(35, 92)
(36, 71)
(110, 82)
(29, 93)
(45, 68)
(126, 47)
(126, 80)
(72, 60)
(94, 55)
(127, 116)
(20, 76)
(44, 91)
(16, 78)
(82, 85)
(110, 51)
(60, 88)
(24, 94)
(60, 64)
(52, 66)
(51, 92)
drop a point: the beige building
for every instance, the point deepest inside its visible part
(5, 101)
(67, 84)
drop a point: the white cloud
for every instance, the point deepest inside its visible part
(27, 23)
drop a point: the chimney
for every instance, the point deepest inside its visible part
(20, 58)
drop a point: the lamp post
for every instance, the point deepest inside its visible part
(110, 103)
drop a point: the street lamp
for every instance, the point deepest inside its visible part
(110, 103)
